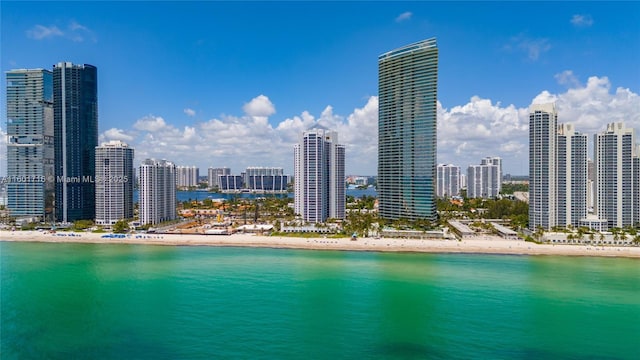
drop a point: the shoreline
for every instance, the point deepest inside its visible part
(488, 245)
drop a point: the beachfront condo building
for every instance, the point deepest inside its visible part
(114, 182)
(448, 181)
(213, 173)
(30, 176)
(614, 158)
(319, 163)
(157, 193)
(572, 183)
(75, 115)
(407, 133)
(187, 176)
(543, 119)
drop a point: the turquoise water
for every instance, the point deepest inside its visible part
(84, 301)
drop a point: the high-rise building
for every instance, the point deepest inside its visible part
(265, 179)
(75, 115)
(157, 194)
(482, 181)
(187, 176)
(636, 187)
(591, 185)
(213, 178)
(30, 175)
(407, 134)
(572, 161)
(496, 184)
(614, 158)
(448, 180)
(319, 176)
(543, 119)
(114, 182)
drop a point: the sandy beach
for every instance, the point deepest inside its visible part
(486, 245)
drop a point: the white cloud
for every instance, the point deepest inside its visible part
(39, 32)
(150, 123)
(404, 16)
(115, 134)
(79, 33)
(74, 32)
(259, 106)
(567, 78)
(481, 128)
(189, 112)
(581, 20)
(466, 133)
(534, 48)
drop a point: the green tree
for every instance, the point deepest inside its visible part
(120, 227)
(81, 225)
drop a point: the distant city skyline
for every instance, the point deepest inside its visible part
(233, 83)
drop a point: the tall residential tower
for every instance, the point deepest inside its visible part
(75, 115)
(572, 161)
(157, 195)
(448, 180)
(614, 158)
(114, 182)
(30, 180)
(319, 176)
(407, 134)
(543, 120)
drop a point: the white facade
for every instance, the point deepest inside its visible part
(497, 182)
(157, 195)
(114, 182)
(572, 184)
(319, 163)
(448, 180)
(482, 181)
(187, 176)
(213, 176)
(543, 119)
(614, 158)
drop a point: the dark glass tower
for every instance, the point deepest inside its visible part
(407, 123)
(75, 114)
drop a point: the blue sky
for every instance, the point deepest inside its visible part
(234, 83)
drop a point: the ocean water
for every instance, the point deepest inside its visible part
(87, 301)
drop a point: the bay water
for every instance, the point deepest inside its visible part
(98, 301)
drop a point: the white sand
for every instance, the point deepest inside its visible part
(488, 245)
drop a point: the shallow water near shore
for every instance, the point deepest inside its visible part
(100, 301)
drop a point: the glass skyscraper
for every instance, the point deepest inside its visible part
(407, 137)
(30, 154)
(75, 96)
